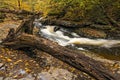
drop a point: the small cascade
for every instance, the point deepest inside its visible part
(57, 36)
(106, 48)
(62, 39)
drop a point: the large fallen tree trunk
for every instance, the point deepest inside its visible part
(93, 68)
(69, 24)
(22, 38)
(16, 11)
(3, 10)
(63, 23)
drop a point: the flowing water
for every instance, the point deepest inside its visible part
(106, 48)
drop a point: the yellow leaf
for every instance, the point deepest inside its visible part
(27, 70)
(9, 60)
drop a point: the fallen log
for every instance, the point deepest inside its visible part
(3, 10)
(16, 11)
(22, 39)
(63, 23)
(91, 67)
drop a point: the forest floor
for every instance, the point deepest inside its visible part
(38, 65)
(20, 65)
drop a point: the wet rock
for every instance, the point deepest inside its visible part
(28, 77)
(45, 76)
(57, 74)
(101, 27)
(91, 33)
(18, 74)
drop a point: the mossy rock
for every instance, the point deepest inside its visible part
(91, 33)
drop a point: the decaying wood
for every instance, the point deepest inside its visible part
(63, 23)
(26, 26)
(77, 60)
(16, 11)
(21, 39)
(10, 36)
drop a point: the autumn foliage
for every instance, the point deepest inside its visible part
(74, 10)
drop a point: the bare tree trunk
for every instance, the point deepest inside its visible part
(19, 4)
(85, 64)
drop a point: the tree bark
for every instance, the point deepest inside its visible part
(63, 23)
(91, 67)
(16, 11)
(26, 26)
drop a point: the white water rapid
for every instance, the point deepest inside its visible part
(61, 39)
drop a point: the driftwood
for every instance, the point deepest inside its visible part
(22, 38)
(63, 23)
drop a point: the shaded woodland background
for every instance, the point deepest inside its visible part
(73, 10)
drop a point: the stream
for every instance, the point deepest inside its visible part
(109, 49)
